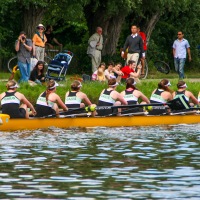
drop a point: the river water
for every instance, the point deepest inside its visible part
(101, 163)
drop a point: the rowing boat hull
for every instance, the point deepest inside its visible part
(125, 121)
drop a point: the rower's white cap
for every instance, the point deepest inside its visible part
(134, 83)
(14, 86)
(168, 84)
(114, 84)
(55, 85)
(183, 86)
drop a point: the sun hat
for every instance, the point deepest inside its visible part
(41, 25)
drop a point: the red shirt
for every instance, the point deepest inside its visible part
(144, 39)
(126, 70)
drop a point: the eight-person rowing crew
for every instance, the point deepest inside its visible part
(48, 103)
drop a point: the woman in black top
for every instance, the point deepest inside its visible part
(37, 74)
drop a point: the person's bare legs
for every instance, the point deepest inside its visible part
(118, 103)
(24, 106)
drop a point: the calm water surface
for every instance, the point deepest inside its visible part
(101, 163)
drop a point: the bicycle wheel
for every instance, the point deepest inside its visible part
(162, 66)
(146, 70)
(12, 63)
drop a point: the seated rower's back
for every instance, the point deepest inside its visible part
(181, 85)
(11, 100)
(132, 94)
(74, 97)
(48, 101)
(161, 95)
(110, 97)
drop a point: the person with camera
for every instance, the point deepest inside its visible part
(23, 46)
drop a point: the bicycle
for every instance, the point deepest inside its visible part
(12, 62)
(161, 66)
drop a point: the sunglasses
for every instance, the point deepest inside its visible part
(40, 28)
(179, 34)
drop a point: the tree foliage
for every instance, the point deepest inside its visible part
(76, 20)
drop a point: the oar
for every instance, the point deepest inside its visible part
(179, 103)
(64, 112)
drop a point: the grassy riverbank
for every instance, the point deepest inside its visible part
(93, 89)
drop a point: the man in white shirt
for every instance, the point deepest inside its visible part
(180, 48)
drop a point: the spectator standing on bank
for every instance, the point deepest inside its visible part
(180, 48)
(143, 55)
(51, 38)
(95, 46)
(23, 46)
(134, 44)
(39, 40)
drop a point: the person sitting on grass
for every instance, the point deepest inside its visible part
(110, 97)
(95, 74)
(117, 72)
(37, 74)
(181, 85)
(11, 100)
(130, 71)
(48, 101)
(109, 71)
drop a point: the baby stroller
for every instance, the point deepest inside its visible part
(58, 67)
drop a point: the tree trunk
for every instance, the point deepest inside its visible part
(151, 24)
(111, 27)
(32, 17)
(112, 32)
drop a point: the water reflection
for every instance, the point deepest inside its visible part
(101, 163)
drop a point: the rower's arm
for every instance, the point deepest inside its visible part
(121, 99)
(144, 98)
(194, 99)
(29, 105)
(61, 104)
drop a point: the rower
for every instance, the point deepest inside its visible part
(77, 99)
(48, 101)
(181, 85)
(132, 94)
(11, 101)
(110, 97)
(161, 95)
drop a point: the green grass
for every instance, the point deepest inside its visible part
(93, 89)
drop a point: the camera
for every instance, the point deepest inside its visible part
(23, 38)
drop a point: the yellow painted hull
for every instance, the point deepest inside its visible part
(41, 123)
